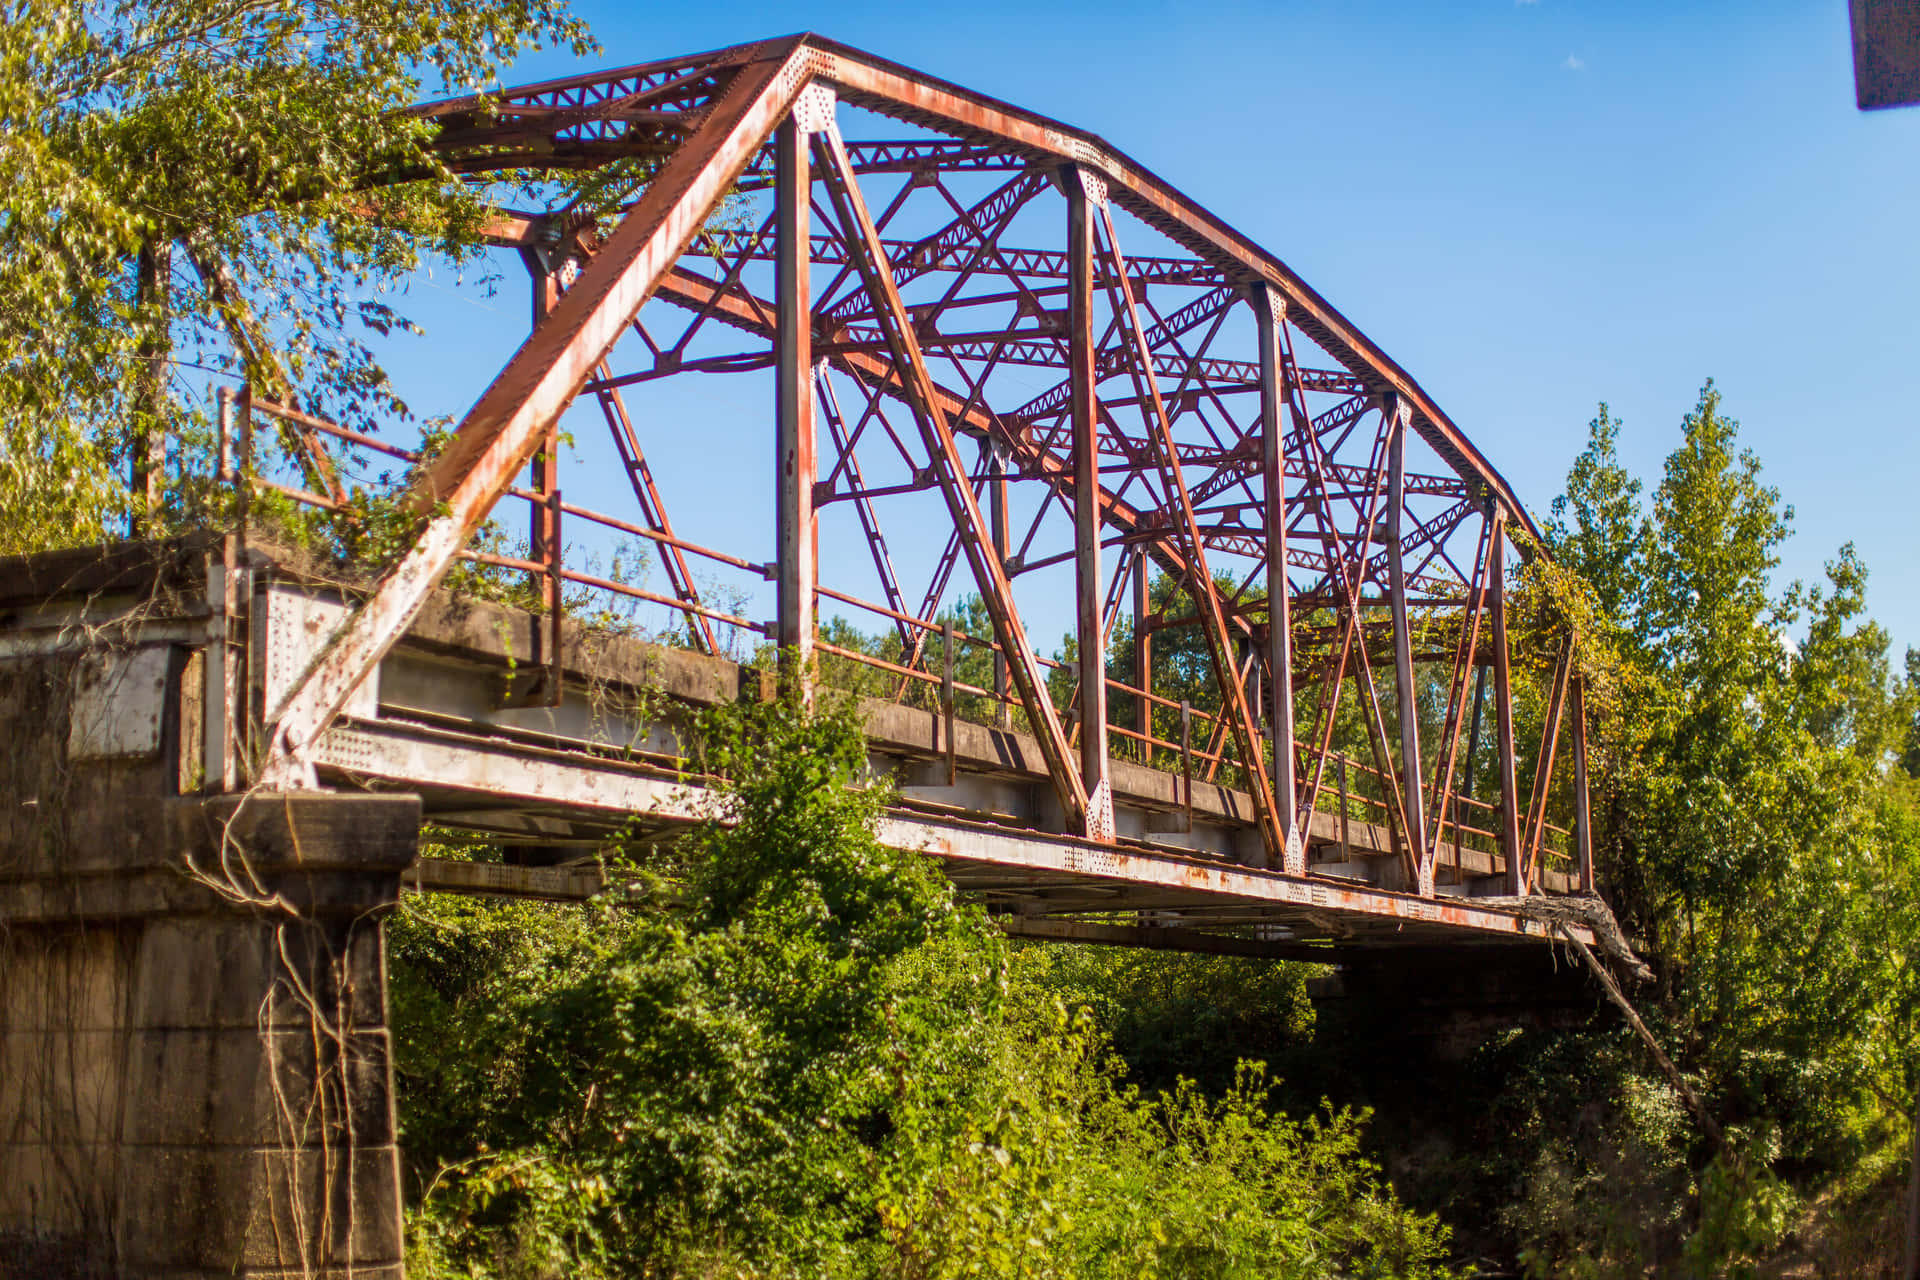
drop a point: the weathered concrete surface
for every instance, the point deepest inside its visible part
(195, 1074)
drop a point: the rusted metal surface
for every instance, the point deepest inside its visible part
(795, 467)
(1582, 813)
(1269, 313)
(1503, 713)
(951, 336)
(1406, 695)
(1886, 73)
(1082, 191)
(500, 433)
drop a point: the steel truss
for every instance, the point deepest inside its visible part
(953, 312)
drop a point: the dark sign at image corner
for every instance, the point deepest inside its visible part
(1886, 53)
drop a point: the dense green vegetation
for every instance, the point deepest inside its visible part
(1756, 831)
(813, 1063)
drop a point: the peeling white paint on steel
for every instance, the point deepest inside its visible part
(423, 757)
(119, 704)
(1013, 848)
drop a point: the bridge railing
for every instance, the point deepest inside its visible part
(920, 669)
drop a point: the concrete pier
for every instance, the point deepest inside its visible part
(195, 1076)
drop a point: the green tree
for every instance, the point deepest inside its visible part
(1756, 840)
(193, 188)
(1598, 528)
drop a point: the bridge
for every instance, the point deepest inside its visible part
(1310, 709)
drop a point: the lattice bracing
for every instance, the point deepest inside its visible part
(968, 319)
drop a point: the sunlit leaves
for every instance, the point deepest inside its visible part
(1753, 829)
(815, 1065)
(266, 141)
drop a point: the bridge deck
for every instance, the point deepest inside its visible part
(552, 785)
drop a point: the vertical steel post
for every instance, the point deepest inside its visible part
(556, 599)
(223, 458)
(1503, 710)
(1534, 831)
(1142, 658)
(946, 700)
(243, 483)
(1253, 684)
(1186, 758)
(1582, 815)
(1412, 783)
(1001, 519)
(544, 546)
(542, 533)
(1346, 820)
(1473, 727)
(1269, 310)
(1086, 509)
(793, 360)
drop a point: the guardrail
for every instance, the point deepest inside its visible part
(1359, 791)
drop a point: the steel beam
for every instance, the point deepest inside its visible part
(1412, 783)
(1269, 311)
(544, 291)
(793, 376)
(510, 420)
(1503, 711)
(1159, 938)
(1536, 828)
(1000, 517)
(1082, 195)
(1142, 655)
(1582, 815)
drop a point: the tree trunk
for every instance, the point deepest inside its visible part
(1910, 1256)
(149, 445)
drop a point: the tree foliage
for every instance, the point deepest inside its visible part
(1754, 825)
(815, 1063)
(222, 187)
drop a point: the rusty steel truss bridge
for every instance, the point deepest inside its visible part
(1301, 711)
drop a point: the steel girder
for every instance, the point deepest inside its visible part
(922, 280)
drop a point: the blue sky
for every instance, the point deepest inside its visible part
(1533, 206)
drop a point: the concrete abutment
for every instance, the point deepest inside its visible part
(195, 1069)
